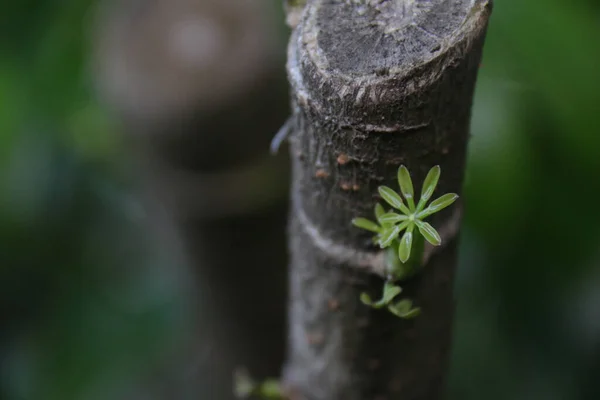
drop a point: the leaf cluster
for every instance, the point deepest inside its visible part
(407, 215)
(402, 230)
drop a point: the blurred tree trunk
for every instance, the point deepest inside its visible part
(375, 85)
(200, 88)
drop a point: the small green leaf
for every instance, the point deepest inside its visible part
(400, 308)
(366, 299)
(438, 205)
(389, 292)
(379, 304)
(429, 185)
(393, 199)
(388, 235)
(391, 218)
(414, 312)
(366, 224)
(403, 309)
(406, 186)
(443, 201)
(379, 210)
(405, 245)
(429, 233)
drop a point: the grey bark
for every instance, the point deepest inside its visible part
(200, 88)
(375, 84)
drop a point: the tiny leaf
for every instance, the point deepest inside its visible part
(366, 299)
(429, 233)
(406, 186)
(379, 210)
(391, 218)
(429, 185)
(405, 245)
(414, 312)
(438, 205)
(388, 235)
(391, 197)
(403, 309)
(379, 304)
(366, 224)
(389, 292)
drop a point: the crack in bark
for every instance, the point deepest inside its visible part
(373, 261)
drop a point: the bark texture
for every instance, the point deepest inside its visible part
(375, 84)
(200, 88)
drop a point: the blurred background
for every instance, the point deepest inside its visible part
(138, 201)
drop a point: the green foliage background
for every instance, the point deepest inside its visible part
(90, 305)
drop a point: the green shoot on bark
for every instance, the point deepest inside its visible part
(402, 231)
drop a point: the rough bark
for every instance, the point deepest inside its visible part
(375, 84)
(200, 88)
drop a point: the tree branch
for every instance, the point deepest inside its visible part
(375, 84)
